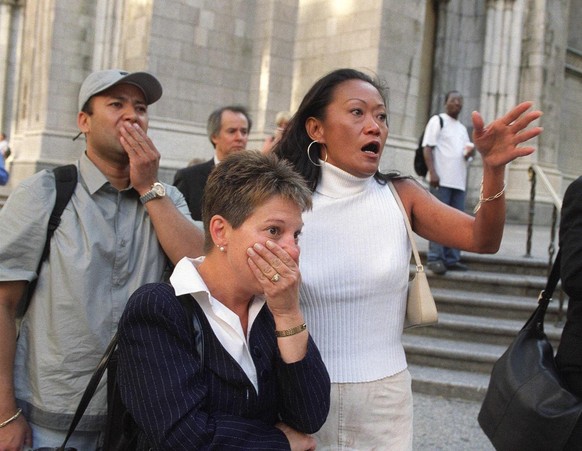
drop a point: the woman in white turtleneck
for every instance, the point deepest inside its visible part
(355, 252)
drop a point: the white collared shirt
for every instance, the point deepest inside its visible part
(224, 322)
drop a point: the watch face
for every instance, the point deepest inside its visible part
(159, 189)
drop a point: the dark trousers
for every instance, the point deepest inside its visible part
(456, 199)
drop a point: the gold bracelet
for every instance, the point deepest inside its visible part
(11, 419)
(488, 199)
(293, 331)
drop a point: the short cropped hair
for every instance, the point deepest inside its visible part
(215, 120)
(242, 182)
(450, 93)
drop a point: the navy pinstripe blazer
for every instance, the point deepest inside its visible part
(177, 406)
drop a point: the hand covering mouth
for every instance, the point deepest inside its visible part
(371, 147)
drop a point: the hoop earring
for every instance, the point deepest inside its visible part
(309, 156)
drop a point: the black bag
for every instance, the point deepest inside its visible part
(7, 153)
(419, 163)
(527, 407)
(121, 432)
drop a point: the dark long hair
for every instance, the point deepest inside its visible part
(295, 140)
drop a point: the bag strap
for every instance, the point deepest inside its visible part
(417, 260)
(547, 293)
(91, 388)
(187, 302)
(536, 320)
(65, 184)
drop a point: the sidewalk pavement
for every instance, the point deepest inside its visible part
(515, 239)
(449, 424)
(442, 424)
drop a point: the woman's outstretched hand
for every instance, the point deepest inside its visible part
(498, 142)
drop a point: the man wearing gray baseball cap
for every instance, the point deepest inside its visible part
(121, 229)
(101, 80)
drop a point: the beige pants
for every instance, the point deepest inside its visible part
(369, 416)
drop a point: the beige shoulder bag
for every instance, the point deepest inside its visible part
(420, 306)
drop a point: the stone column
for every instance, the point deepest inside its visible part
(543, 49)
(108, 34)
(272, 56)
(501, 63)
(65, 41)
(5, 16)
(10, 21)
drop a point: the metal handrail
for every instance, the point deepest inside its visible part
(556, 199)
(535, 172)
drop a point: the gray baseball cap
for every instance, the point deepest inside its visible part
(104, 79)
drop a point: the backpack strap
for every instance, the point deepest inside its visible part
(441, 120)
(65, 184)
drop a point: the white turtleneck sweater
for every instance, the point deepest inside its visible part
(354, 263)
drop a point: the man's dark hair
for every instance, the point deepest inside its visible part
(450, 93)
(88, 107)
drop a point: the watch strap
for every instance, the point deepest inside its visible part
(151, 194)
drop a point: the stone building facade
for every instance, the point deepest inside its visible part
(264, 54)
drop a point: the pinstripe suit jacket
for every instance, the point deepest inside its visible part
(177, 406)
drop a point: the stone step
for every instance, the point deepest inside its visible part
(504, 264)
(526, 286)
(480, 313)
(451, 354)
(508, 264)
(479, 329)
(449, 383)
(495, 305)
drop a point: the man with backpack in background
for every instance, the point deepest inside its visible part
(120, 229)
(447, 151)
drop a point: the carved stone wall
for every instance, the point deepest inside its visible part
(265, 54)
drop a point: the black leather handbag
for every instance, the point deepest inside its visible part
(527, 407)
